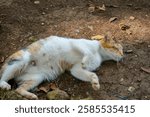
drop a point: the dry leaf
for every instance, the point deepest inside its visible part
(43, 89)
(113, 6)
(145, 70)
(91, 9)
(129, 51)
(123, 26)
(52, 86)
(2, 59)
(103, 8)
(112, 19)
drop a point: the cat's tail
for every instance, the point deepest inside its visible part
(13, 67)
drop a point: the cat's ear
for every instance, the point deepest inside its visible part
(109, 37)
(106, 38)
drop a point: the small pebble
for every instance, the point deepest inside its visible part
(43, 13)
(131, 89)
(42, 23)
(121, 80)
(132, 18)
(136, 55)
(148, 46)
(145, 97)
(36, 2)
(77, 30)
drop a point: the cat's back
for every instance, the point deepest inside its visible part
(59, 46)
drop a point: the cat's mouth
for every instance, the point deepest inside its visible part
(120, 59)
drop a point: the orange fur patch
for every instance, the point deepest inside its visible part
(17, 55)
(65, 65)
(35, 47)
(108, 44)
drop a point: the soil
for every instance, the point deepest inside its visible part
(25, 21)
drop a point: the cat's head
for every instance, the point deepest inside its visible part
(112, 50)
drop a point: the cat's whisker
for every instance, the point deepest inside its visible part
(118, 63)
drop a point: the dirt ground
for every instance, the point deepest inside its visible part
(25, 21)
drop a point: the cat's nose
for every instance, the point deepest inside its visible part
(121, 58)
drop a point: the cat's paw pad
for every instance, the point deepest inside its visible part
(95, 82)
(5, 85)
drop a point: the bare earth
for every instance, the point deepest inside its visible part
(25, 21)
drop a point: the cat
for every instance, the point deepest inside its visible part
(47, 58)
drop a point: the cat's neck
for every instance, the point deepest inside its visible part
(104, 54)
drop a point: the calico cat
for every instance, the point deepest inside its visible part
(46, 58)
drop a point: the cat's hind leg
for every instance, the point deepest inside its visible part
(13, 66)
(29, 82)
(85, 75)
(9, 72)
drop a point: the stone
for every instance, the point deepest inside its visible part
(43, 13)
(36, 2)
(131, 89)
(57, 94)
(42, 23)
(122, 79)
(132, 18)
(103, 8)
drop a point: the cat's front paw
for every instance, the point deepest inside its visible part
(5, 85)
(96, 86)
(95, 82)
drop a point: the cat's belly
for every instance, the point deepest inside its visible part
(48, 71)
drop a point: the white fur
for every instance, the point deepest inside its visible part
(84, 56)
